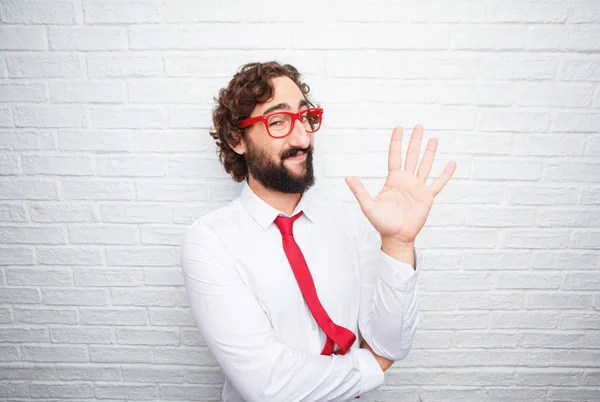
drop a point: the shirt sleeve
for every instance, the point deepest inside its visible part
(389, 306)
(240, 337)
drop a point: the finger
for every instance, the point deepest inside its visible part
(360, 192)
(427, 161)
(412, 153)
(439, 183)
(395, 154)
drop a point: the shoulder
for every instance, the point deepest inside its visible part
(203, 230)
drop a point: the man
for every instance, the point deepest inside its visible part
(301, 300)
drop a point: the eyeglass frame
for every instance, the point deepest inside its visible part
(295, 116)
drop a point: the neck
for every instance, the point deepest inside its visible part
(283, 202)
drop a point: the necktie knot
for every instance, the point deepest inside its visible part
(286, 224)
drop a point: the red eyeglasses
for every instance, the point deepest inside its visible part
(280, 124)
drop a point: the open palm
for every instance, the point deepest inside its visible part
(401, 208)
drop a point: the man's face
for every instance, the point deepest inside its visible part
(281, 164)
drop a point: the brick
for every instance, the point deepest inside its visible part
(44, 65)
(580, 394)
(185, 118)
(188, 11)
(31, 92)
(6, 118)
(143, 297)
(577, 122)
(163, 277)
(508, 120)
(526, 320)
(204, 375)
(591, 378)
(103, 234)
(555, 377)
(87, 39)
(38, 12)
(486, 339)
(130, 392)
(132, 166)
(50, 116)
(543, 280)
(14, 390)
(485, 94)
(490, 301)
(95, 140)
(162, 235)
(16, 256)
(38, 277)
(583, 11)
(61, 390)
(178, 355)
(69, 256)
(9, 164)
(192, 337)
(85, 373)
(141, 256)
(581, 281)
(65, 165)
(122, 12)
(102, 277)
(31, 235)
(494, 260)
(453, 320)
(452, 281)
(52, 212)
(14, 295)
(527, 11)
(210, 36)
(170, 91)
(12, 213)
(567, 218)
(492, 37)
(23, 38)
(581, 70)
(362, 36)
(171, 317)
(112, 354)
(87, 92)
(593, 146)
(560, 95)
(563, 38)
(81, 335)
(550, 145)
(483, 377)
(26, 140)
(508, 357)
(128, 118)
(463, 193)
(571, 171)
(151, 337)
(515, 394)
(196, 167)
(174, 141)
(451, 238)
(172, 190)
(121, 316)
(438, 302)
(135, 213)
(74, 297)
(206, 393)
(98, 189)
(444, 358)
(535, 195)
(116, 65)
(590, 195)
(500, 217)
(577, 320)
(383, 66)
(152, 374)
(22, 372)
(536, 239)
(517, 67)
(20, 335)
(5, 316)
(45, 316)
(52, 354)
(560, 301)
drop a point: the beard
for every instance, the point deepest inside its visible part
(274, 175)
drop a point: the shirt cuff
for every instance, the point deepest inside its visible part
(372, 375)
(398, 274)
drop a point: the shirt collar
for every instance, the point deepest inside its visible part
(264, 214)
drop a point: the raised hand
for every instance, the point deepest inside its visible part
(401, 208)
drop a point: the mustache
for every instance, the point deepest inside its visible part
(294, 151)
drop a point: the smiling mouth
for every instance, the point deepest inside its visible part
(299, 155)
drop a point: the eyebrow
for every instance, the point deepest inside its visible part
(285, 106)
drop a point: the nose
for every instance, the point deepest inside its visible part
(299, 137)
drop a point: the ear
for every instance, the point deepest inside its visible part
(240, 148)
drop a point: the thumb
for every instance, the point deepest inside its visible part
(360, 192)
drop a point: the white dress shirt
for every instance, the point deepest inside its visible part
(253, 317)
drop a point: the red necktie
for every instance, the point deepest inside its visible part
(341, 336)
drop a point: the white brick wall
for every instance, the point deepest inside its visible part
(105, 158)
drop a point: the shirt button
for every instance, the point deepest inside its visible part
(314, 327)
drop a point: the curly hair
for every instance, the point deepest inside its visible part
(251, 85)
